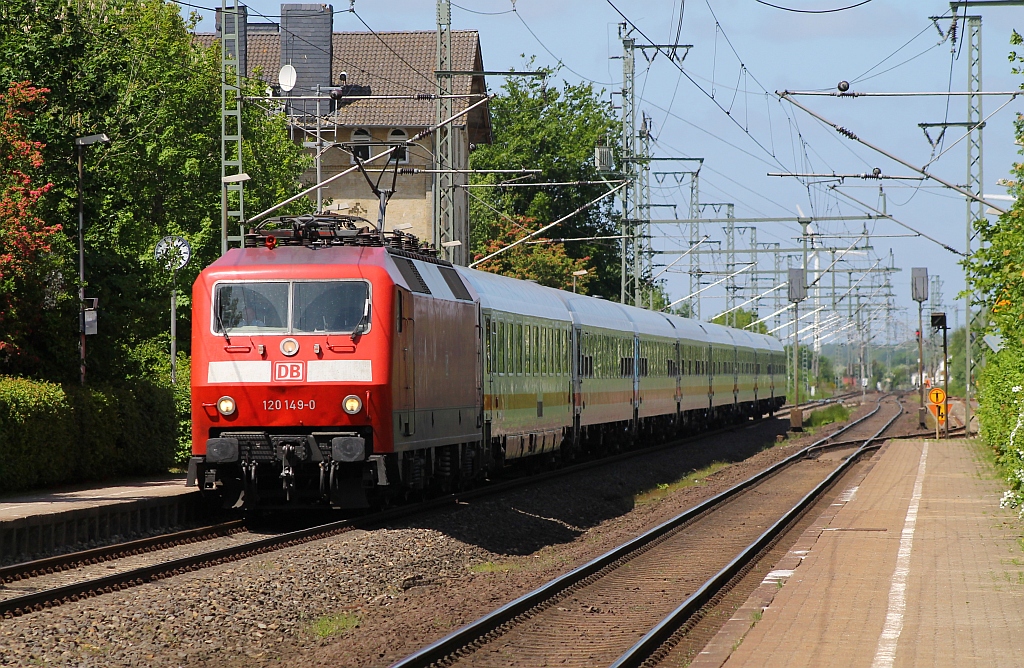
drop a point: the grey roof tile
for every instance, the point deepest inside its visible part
(390, 63)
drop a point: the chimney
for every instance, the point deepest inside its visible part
(306, 45)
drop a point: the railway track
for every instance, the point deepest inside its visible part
(621, 607)
(50, 582)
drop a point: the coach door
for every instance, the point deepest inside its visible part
(490, 362)
(637, 399)
(576, 345)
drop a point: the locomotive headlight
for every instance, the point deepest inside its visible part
(289, 347)
(226, 406)
(352, 404)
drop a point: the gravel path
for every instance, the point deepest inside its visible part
(366, 598)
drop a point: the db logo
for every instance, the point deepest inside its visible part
(289, 371)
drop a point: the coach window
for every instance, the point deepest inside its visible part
(360, 144)
(529, 352)
(397, 137)
(544, 350)
(541, 364)
(488, 348)
(502, 347)
(538, 339)
(562, 339)
(519, 348)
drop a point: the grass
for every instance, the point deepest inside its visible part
(756, 616)
(823, 416)
(494, 567)
(692, 479)
(332, 625)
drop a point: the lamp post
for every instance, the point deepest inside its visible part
(575, 274)
(224, 181)
(80, 144)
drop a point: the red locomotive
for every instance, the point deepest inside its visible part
(333, 365)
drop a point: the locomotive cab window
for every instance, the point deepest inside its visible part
(301, 307)
(330, 306)
(251, 307)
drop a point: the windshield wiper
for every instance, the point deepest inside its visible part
(220, 322)
(363, 318)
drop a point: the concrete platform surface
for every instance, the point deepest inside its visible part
(914, 566)
(74, 498)
(42, 523)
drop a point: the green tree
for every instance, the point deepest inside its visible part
(741, 319)
(132, 70)
(541, 261)
(997, 272)
(537, 127)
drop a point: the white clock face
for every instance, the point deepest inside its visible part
(174, 251)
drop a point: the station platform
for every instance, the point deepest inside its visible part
(58, 520)
(914, 565)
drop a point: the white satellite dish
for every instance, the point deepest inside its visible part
(286, 77)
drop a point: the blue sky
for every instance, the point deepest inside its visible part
(751, 49)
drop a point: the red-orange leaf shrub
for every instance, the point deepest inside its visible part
(24, 236)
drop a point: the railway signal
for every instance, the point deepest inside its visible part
(939, 408)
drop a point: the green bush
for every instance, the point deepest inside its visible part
(1001, 416)
(52, 434)
(833, 413)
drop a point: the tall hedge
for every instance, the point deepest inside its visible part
(52, 434)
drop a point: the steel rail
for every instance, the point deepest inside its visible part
(53, 597)
(70, 560)
(475, 630)
(904, 437)
(657, 636)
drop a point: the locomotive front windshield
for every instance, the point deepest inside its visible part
(299, 307)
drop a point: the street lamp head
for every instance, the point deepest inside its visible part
(235, 178)
(581, 272)
(92, 139)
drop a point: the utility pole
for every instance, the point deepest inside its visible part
(694, 237)
(635, 226)
(975, 210)
(629, 164)
(643, 258)
(797, 293)
(232, 18)
(445, 233)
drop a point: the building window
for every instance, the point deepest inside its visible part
(360, 136)
(401, 153)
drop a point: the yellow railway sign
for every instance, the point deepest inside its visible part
(936, 395)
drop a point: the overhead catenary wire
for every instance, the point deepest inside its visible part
(659, 49)
(813, 11)
(900, 223)
(383, 154)
(847, 133)
(549, 225)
